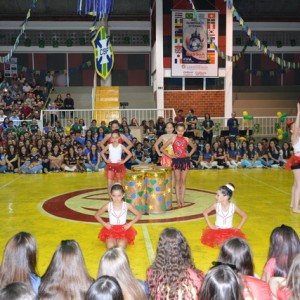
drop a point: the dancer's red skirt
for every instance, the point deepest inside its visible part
(216, 237)
(166, 161)
(119, 233)
(293, 163)
(115, 171)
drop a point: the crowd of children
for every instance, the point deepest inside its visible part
(77, 147)
(172, 275)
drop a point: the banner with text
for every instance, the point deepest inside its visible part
(192, 55)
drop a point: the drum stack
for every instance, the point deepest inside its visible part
(149, 188)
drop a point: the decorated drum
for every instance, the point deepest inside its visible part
(135, 190)
(168, 185)
(156, 192)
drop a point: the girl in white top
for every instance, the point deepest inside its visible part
(223, 229)
(115, 169)
(294, 162)
(116, 232)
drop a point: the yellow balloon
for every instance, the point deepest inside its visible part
(279, 114)
(246, 121)
(280, 131)
(280, 137)
(245, 113)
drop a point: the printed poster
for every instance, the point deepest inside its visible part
(192, 55)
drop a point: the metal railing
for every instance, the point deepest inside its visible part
(260, 126)
(107, 114)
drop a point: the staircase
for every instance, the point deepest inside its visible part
(107, 97)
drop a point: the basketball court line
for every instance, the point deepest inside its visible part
(148, 243)
(5, 185)
(266, 184)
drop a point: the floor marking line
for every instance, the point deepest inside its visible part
(5, 185)
(268, 185)
(148, 243)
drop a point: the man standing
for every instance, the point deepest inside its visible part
(233, 125)
(69, 103)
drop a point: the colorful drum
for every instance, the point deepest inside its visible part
(156, 192)
(168, 185)
(135, 190)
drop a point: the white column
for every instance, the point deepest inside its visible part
(228, 68)
(159, 55)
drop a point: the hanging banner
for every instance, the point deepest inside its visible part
(103, 53)
(192, 55)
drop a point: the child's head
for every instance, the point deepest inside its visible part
(236, 251)
(221, 283)
(284, 246)
(105, 288)
(17, 291)
(117, 192)
(227, 190)
(169, 127)
(115, 136)
(294, 277)
(180, 129)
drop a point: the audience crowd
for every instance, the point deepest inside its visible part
(172, 275)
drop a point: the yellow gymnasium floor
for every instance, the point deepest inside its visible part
(263, 194)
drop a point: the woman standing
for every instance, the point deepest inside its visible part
(208, 128)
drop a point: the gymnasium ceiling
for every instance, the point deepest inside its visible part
(257, 10)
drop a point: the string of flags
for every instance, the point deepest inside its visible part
(252, 37)
(6, 58)
(278, 60)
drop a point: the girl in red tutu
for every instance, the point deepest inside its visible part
(294, 162)
(215, 235)
(180, 160)
(115, 168)
(116, 232)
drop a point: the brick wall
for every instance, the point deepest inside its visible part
(201, 102)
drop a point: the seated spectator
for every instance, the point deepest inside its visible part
(134, 122)
(138, 155)
(221, 283)
(56, 158)
(262, 154)
(22, 157)
(37, 91)
(15, 118)
(70, 161)
(127, 133)
(287, 289)
(285, 153)
(17, 291)
(250, 158)
(160, 126)
(34, 127)
(4, 85)
(19, 261)
(115, 263)
(94, 160)
(68, 128)
(233, 156)
(45, 159)
(33, 164)
(58, 128)
(30, 99)
(47, 128)
(12, 159)
(236, 252)
(145, 126)
(284, 246)
(105, 288)
(155, 158)
(81, 161)
(66, 277)
(274, 159)
(76, 127)
(49, 81)
(18, 102)
(220, 158)
(3, 165)
(8, 103)
(2, 116)
(93, 128)
(26, 110)
(173, 274)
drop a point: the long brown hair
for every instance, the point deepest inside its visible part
(19, 259)
(66, 276)
(168, 276)
(115, 263)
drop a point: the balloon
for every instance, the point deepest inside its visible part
(279, 114)
(285, 134)
(245, 113)
(280, 137)
(250, 117)
(246, 120)
(284, 115)
(280, 131)
(281, 119)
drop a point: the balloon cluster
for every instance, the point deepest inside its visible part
(281, 134)
(282, 116)
(246, 117)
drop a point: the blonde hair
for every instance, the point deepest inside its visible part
(115, 263)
